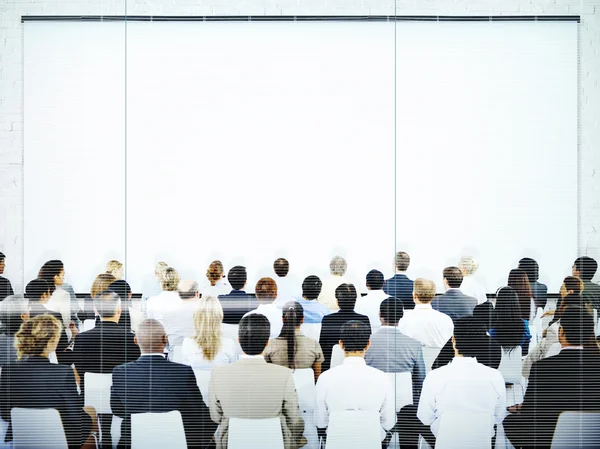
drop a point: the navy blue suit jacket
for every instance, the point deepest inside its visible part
(235, 305)
(401, 287)
(455, 304)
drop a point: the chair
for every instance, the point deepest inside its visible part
(115, 430)
(37, 427)
(97, 391)
(203, 380)
(337, 356)
(176, 355)
(88, 325)
(511, 368)
(577, 429)
(304, 380)
(354, 429)
(465, 431)
(250, 433)
(430, 353)
(402, 383)
(311, 330)
(136, 317)
(157, 431)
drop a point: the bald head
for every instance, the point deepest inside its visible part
(151, 337)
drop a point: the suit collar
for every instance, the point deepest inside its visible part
(453, 292)
(152, 358)
(36, 359)
(237, 293)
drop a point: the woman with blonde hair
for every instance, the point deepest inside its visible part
(169, 298)
(208, 348)
(470, 286)
(218, 284)
(101, 283)
(35, 382)
(115, 268)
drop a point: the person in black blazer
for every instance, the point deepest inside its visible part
(454, 303)
(153, 384)
(538, 290)
(123, 289)
(332, 324)
(400, 286)
(6, 289)
(566, 382)
(34, 382)
(237, 303)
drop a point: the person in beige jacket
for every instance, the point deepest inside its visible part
(252, 388)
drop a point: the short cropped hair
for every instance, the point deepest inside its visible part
(402, 261)
(578, 325)
(574, 284)
(355, 336)
(106, 303)
(454, 276)
(346, 296)
(311, 287)
(266, 288)
(254, 331)
(36, 288)
(530, 267)
(338, 266)
(170, 280)
(391, 310)
(468, 331)
(237, 277)
(586, 266)
(121, 288)
(281, 267)
(424, 289)
(187, 289)
(375, 280)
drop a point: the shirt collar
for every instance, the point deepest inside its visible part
(251, 357)
(462, 360)
(423, 306)
(153, 354)
(571, 347)
(354, 361)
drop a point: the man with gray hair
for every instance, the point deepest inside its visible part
(178, 322)
(14, 310)
(337, 268)
(152, 384)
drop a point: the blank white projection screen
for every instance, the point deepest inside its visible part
(188, 142)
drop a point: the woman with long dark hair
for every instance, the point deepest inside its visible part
(519, 282)
(509, 329)
(292, 348)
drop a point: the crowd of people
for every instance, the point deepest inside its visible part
(253, 343)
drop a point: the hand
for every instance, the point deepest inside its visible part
(514, 409)
(74, 330)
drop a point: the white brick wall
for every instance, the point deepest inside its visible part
(11, 79)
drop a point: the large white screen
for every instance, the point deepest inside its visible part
(250, 141)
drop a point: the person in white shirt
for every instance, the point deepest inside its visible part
(369, 305)
(354, 385)
(207, 347)
(169, 298)
(153, 286)
(288, 289)
(423, 323)
(337, 267)
(178, 322)
(266, 292)
(470, 286)
(217, 285)
(53, 272)
(464, 385)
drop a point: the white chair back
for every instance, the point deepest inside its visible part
(402, 383)
(251, 433)
(311, 330)
(511, 365)
(596, 323)
(136, 317)
(3, 428)
(97, 391)
(115, 430)
(354, 429)
(203, 380)
(37, 427)
(176, 354)
(577, 429)
(465, 431)
(304, 380)
(337, 356)
(88, 325)
(157, 431)
(430, 353)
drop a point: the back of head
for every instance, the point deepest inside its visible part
(11, 309)
(170, 280)
(293, 314)
(402, 261)
(187, 289)
(531, 268)
(281, 267)
(253, 333)
(346, 296)
(159, 270)
(485, 314)
(266, 290)
(468, 335)
(49, 271)
(468, 265)
(375, 280)
(121, 288)
(107, 304)
(214, 273)
(338, 266)
(2, 257)
(35, 333)
(151, 337)
(207, 324)
(424, 290)
(311, 287)
(508, 325)
(36, 288)
(102, 282)
(114, 267)
(573, 284)
(586, 266)
(355, 336)
(391, 310)
(578, 326)
(237, 277)
(573, 300)
(454, 276)
(519, 282)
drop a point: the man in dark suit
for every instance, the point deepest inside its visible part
(454, 303)
(237, 303)
(400, 286)
(566, 382)
(5, 286)
(332, 324)
(153, 384)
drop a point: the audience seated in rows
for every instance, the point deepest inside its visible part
(337, 268)
(151, 384)
(237, 303)
(509, 329)
(287, 288)
(538, 290)
(314, 311)
(425, 324)
(207, 347)
(253, 388)
(169, 298)
(332, 324)
(468, 266)
(454, 302)
(519, 282)
(400, 286)
(292, 348)
(178, 320)
(567, 381)
(266, 293)
(5, 285)
(217, 284)
(369, 305)
(14, 310)
(585, 268)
